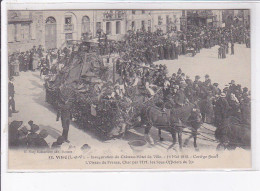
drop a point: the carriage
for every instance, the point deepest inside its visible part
(233, 133)
(85, 82)
(91, 109)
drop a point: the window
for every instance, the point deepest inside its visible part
(149, 25)
(68, 20)
(143, 25)
(108, 28)
(68, 27)
(33, 30)
(68, 36)
(98, 27)
(85, 25)
(118, 27)
(17, 33)
(167, 19)
(50, 20)
(133, 12)
(133, 25)
(159, 20)
(183, 13)
(11, 33)
(25, 32)
(143, 11)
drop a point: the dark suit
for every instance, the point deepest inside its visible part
(65, 115)
(180, 98)
(11, 102)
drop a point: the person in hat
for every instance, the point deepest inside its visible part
(40, 142)
(197, 84)
(215, 89)
(232, 86)
(22, 137)
(221, 109)
(13, 133)
(234, 106)
(245, 91)
(33, 136)
(232, 48)
(188, 81)
(207, 80)
(245, 107)
(179, 72)
(197, 80)
(58, 143)
(180, 98)
(85, 148)
(189, 91)
(64, 112)
(11, 102)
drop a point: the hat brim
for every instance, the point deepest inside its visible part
(18, 124)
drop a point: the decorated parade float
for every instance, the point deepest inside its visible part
(100, 99)
(88, 84)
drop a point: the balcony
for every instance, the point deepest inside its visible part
(68, 27)
(200, 13)
(114, 15)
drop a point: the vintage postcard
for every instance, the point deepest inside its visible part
(123, 89)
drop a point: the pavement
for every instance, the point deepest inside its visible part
(235, 67)
(30, 101)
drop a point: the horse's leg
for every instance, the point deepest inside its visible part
(195, 140)
(180, 139)
(148, 137)
(160, 134)
(173, 132)
(123, 130)
(187, 140)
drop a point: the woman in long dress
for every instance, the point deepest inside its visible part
(35, 62)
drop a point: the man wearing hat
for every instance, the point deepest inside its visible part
(180, 97)
(232, 48)
(197, 80)
(221, 109)
(40, 142)
(207, 80)
(197, 84)
(65, 114)
(215, 89)
(232, 86)
(33, 136)
(11, 102)
(22, 137)
(13, 133)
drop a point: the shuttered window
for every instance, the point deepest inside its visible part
(11, 33)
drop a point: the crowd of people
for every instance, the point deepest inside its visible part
(20, 136)
(136, 69)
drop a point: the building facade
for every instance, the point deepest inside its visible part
(212, 18)
(169, 20)
(236, 18)
(24, 30)
(51, 29)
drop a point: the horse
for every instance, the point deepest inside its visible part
(233, 133)
(171, 120)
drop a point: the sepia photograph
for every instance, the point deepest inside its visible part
(129, 89)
